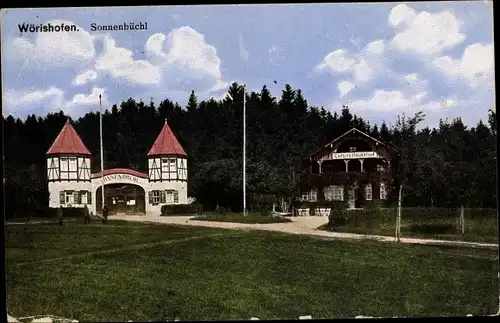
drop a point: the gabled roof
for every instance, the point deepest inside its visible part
(353, 130)
(166, 143)
(68, 142)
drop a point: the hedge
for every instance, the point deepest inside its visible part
(175, 209)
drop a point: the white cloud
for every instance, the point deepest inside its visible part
(476, 66)
(388, 100)
(415, 82)
(84, 77)
(345, 87)
(53, 49)
(362, 71)
(423, 32)
(375, 47)
(119, 62)
(20, 103)
(337, 61)
(243, 52)
(185, 54)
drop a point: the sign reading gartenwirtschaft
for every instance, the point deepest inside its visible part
(352, 155)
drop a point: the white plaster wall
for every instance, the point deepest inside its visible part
(56, 187)
(179, 186)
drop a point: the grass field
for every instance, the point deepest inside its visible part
(144, 272)
(239, 218)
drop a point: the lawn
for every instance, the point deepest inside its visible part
(250, 218)
(477, 228)
(145, 272)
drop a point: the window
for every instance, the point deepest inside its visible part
(156, 197)
(164, 165)
(338, 193)
(83, 197)
(173, 169)
(368, 192)
(352, 149)
(131, 202)
(383, 191)
(310, 196)
(70, 199)
(169, 197)
(69, 168)
(64, 168)
(334, 193)
(182, 169)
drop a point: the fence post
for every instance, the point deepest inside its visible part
(462, 220)
(398, 217)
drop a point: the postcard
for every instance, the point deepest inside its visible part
(255, 162)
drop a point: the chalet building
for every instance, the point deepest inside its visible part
(128, 191)
(355, 168)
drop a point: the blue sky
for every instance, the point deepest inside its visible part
(380, 59)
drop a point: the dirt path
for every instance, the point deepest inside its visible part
(299, 225)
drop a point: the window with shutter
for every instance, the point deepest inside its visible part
(62, 197)
(77, 196)
(163, 197)
(176, 197)
(150, 197)
(89, 197)
(83, 197)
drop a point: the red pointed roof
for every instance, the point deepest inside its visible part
(166, 143)
(68, 142)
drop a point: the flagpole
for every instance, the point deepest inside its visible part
(102, 155)
(244, 152)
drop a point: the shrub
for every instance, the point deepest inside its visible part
(175, 209)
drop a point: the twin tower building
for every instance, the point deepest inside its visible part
(126, 191)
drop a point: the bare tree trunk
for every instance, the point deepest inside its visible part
(398, 218)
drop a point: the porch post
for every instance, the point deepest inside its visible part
(319, 163)
(361, 161)
(346, 161)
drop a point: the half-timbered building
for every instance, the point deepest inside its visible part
(129, 191)
(355, 168)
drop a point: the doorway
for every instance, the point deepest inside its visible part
(122, 199)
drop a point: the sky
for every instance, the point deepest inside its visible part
(380, 59)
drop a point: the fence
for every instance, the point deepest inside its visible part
(463, 224)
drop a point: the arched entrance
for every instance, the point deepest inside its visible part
(122, 199)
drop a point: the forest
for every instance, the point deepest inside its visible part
(448, 166)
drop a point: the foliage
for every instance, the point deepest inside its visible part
(177, 209)
(447, 166)
(220, 274)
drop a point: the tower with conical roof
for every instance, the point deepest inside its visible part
(167, 170)
(68, 170)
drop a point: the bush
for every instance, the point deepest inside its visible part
(176, 209)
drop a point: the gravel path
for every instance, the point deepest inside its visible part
(299, 225)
